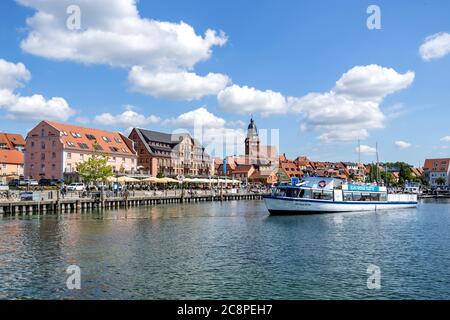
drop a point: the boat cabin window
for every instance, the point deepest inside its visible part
(365, 197)
(317, 194)
(375, 197)
(305, 194)
(292, 193)
(357, 196)
(327, 195)
(383, 197)
(348, 196)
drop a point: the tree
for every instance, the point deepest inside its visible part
(440, 181)
(160, 175)
(95, 169)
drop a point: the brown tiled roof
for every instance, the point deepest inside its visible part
(442, 164)
(11, 140)
(115, 140)
(11, 157)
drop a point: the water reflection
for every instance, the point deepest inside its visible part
(227, 250)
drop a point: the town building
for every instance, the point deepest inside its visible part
(171, 154)
(11, 141)
(54, 149)
(11, 165)
(436, 170)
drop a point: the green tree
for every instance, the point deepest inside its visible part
(95, 169)
(440, 181)
(160, 175)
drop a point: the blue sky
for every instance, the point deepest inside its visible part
(292, 48)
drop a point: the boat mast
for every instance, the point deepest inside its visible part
(378, 167)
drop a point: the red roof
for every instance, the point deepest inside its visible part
(11, 157)
(11, 140)
(83, 139)
(437, 164)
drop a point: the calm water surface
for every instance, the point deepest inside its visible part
(225, 251)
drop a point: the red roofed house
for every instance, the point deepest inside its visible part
(11, 165)
(437, 168)
(54, 149)
(11, 141)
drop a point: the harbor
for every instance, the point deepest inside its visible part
(53, 202)
(226, 250)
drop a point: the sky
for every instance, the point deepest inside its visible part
(317, 76)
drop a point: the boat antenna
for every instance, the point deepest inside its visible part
(378, 167)
(359, 151)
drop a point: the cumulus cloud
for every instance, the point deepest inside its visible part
(160, 55)
(366, 150)
(445, 139)
(178, 85)
(435, 46)
(35, 107)
(248, 100)
(128, 118)
(352, 107)
(197, 118)
(217, 136)
(13, 75)
(112, 32)
(403, 144)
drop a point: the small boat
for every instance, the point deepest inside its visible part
(328, 195)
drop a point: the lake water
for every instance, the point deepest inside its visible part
(230, 250)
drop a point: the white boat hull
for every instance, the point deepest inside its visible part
(280, 205)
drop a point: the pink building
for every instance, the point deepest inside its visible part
(54, 149)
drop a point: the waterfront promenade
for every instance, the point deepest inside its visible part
(51, 201)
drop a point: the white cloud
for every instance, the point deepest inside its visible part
(445, 139)
(366, 150)
(372, 82)
(35, 107)
(403, 144)
(352, 107)
(435, 46)
(248, 100)
(178, 85)
(128, 118)
(13, 75)
(198, 118)
(160, 55)
(112, 32)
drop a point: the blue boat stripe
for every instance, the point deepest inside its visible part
(336, 202)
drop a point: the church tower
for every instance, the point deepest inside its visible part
(252, 143)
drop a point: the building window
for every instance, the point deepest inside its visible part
(106, 139)
(69, 155)
(75, 134)
(83, 145)
(91, 137)
(70, 144)
(53, 155)
(97, 147)
(42, 156)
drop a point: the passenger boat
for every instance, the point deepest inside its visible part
(328, 195)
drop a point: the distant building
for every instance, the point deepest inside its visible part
(171, 154)
(54, 149)
(11, 141)
(11, 165)
(435, 169)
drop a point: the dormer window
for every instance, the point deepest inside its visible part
(106, 139)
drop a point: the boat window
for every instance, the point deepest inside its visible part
(374, 197)
(365, 197)
(292, 193)
(327, 195)
(357, 196)
(348, 196)
(317, 194)
(305, 194)
(383, 197)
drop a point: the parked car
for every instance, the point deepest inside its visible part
(49, 182)
(78, 186)
(23, 183)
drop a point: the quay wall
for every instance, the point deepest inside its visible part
(74, 204)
